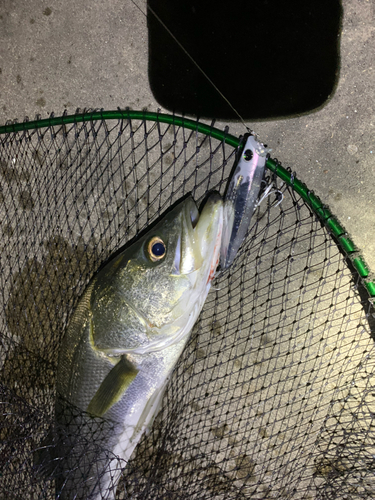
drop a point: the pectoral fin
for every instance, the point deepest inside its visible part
(112, 387)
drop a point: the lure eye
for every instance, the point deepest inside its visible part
(156, 249)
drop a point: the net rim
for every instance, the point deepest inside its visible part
(330, 221)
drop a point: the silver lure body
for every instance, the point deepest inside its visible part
(241, 197)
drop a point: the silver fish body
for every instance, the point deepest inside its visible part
(123, 341)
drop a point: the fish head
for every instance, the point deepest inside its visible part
(190, 238)
(157, 287)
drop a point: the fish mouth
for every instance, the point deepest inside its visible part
(198, 231)
(193, 214)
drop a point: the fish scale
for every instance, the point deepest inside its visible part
(112, 367)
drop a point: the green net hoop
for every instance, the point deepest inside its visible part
(273, 395)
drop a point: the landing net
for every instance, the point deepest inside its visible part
(273, 396)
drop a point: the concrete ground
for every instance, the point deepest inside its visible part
(76, 54)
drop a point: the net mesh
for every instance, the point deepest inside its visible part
(273, 395)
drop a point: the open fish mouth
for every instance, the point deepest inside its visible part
(191, 215)
(199, 230)
(194, 214)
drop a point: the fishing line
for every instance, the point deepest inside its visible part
(193, 61)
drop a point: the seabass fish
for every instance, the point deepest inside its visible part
(131, 325)
(124, 339)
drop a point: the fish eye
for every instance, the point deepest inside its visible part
(156, 249)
